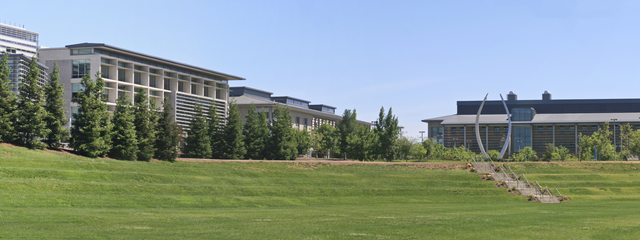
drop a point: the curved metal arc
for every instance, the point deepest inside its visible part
(484, 153)
(506, 143)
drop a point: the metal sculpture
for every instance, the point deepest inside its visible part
(479, 139)
(506, 143)
(484, 153)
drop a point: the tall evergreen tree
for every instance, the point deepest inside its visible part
(282, 143)
(31, 124)
(145, 124)
(197, 144)
(55, 119)
(7, 103)
(256, 134)
(215, 132)
(388, 132)
(125, 142)
(345, 128)
(90, 134)
(169, 135)
(233, 137)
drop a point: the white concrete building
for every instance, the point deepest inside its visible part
(17, 40)
(126, 72)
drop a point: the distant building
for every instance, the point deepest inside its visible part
(535, 123)
(19, 65)
(303, 114)
(126, 72)
(16, 40)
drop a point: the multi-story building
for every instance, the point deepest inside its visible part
(16, 40)
(19, 65)
(535, 123)
(303, 114)
(126, 72)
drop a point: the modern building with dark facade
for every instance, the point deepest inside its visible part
(534, 122)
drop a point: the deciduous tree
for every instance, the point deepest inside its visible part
(388, 132)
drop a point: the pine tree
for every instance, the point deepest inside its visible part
(256, 132)
(233, 137)
(125, 143)
(197, 144)
(55, 119)
(31, 114)
(282, 143)
(145, 124)
(7, 103)
(90, 134)
(169, 135)
(215, 132)
(345, 128)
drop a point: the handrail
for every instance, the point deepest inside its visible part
(559, 193)
(525, 178)
(504, 171)
(515, 177)
(494, 166)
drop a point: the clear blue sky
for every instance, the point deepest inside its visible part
(418, 57)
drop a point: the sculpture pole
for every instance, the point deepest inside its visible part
(484, 153)
(507, 142)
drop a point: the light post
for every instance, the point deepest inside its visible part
(422, 135)
(615, 158)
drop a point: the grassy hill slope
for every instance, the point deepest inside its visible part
(52, 195)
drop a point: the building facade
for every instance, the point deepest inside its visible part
(17, 40)
(126, 72)
(535, 123)
(19, 65)
(303, 114)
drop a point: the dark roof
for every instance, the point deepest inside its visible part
(321, 105)
(553, 106)
(249, 88)
(285, 97)
(102, 45)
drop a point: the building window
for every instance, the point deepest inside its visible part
(496, 129)
(180, 87)
(550, 130)
(206, 91)
(137, 78)
(121, 75)
(540, 129)
(193, 89)
(298, 122)
(594, 128)
(104, 71)
(104, 60)
(562, 129)
(151, 70)
(121, 64)
(152, 81)
(453, 130)
(584, 128)
(505, 129)
(80, 68)
(305, 124)
(136, 67)
(167, 84)
(572, 129)
(75, 88)
(219, 94)
(83, 51)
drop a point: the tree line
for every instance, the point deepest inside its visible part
(35, 118)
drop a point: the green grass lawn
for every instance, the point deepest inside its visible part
(61, 196)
